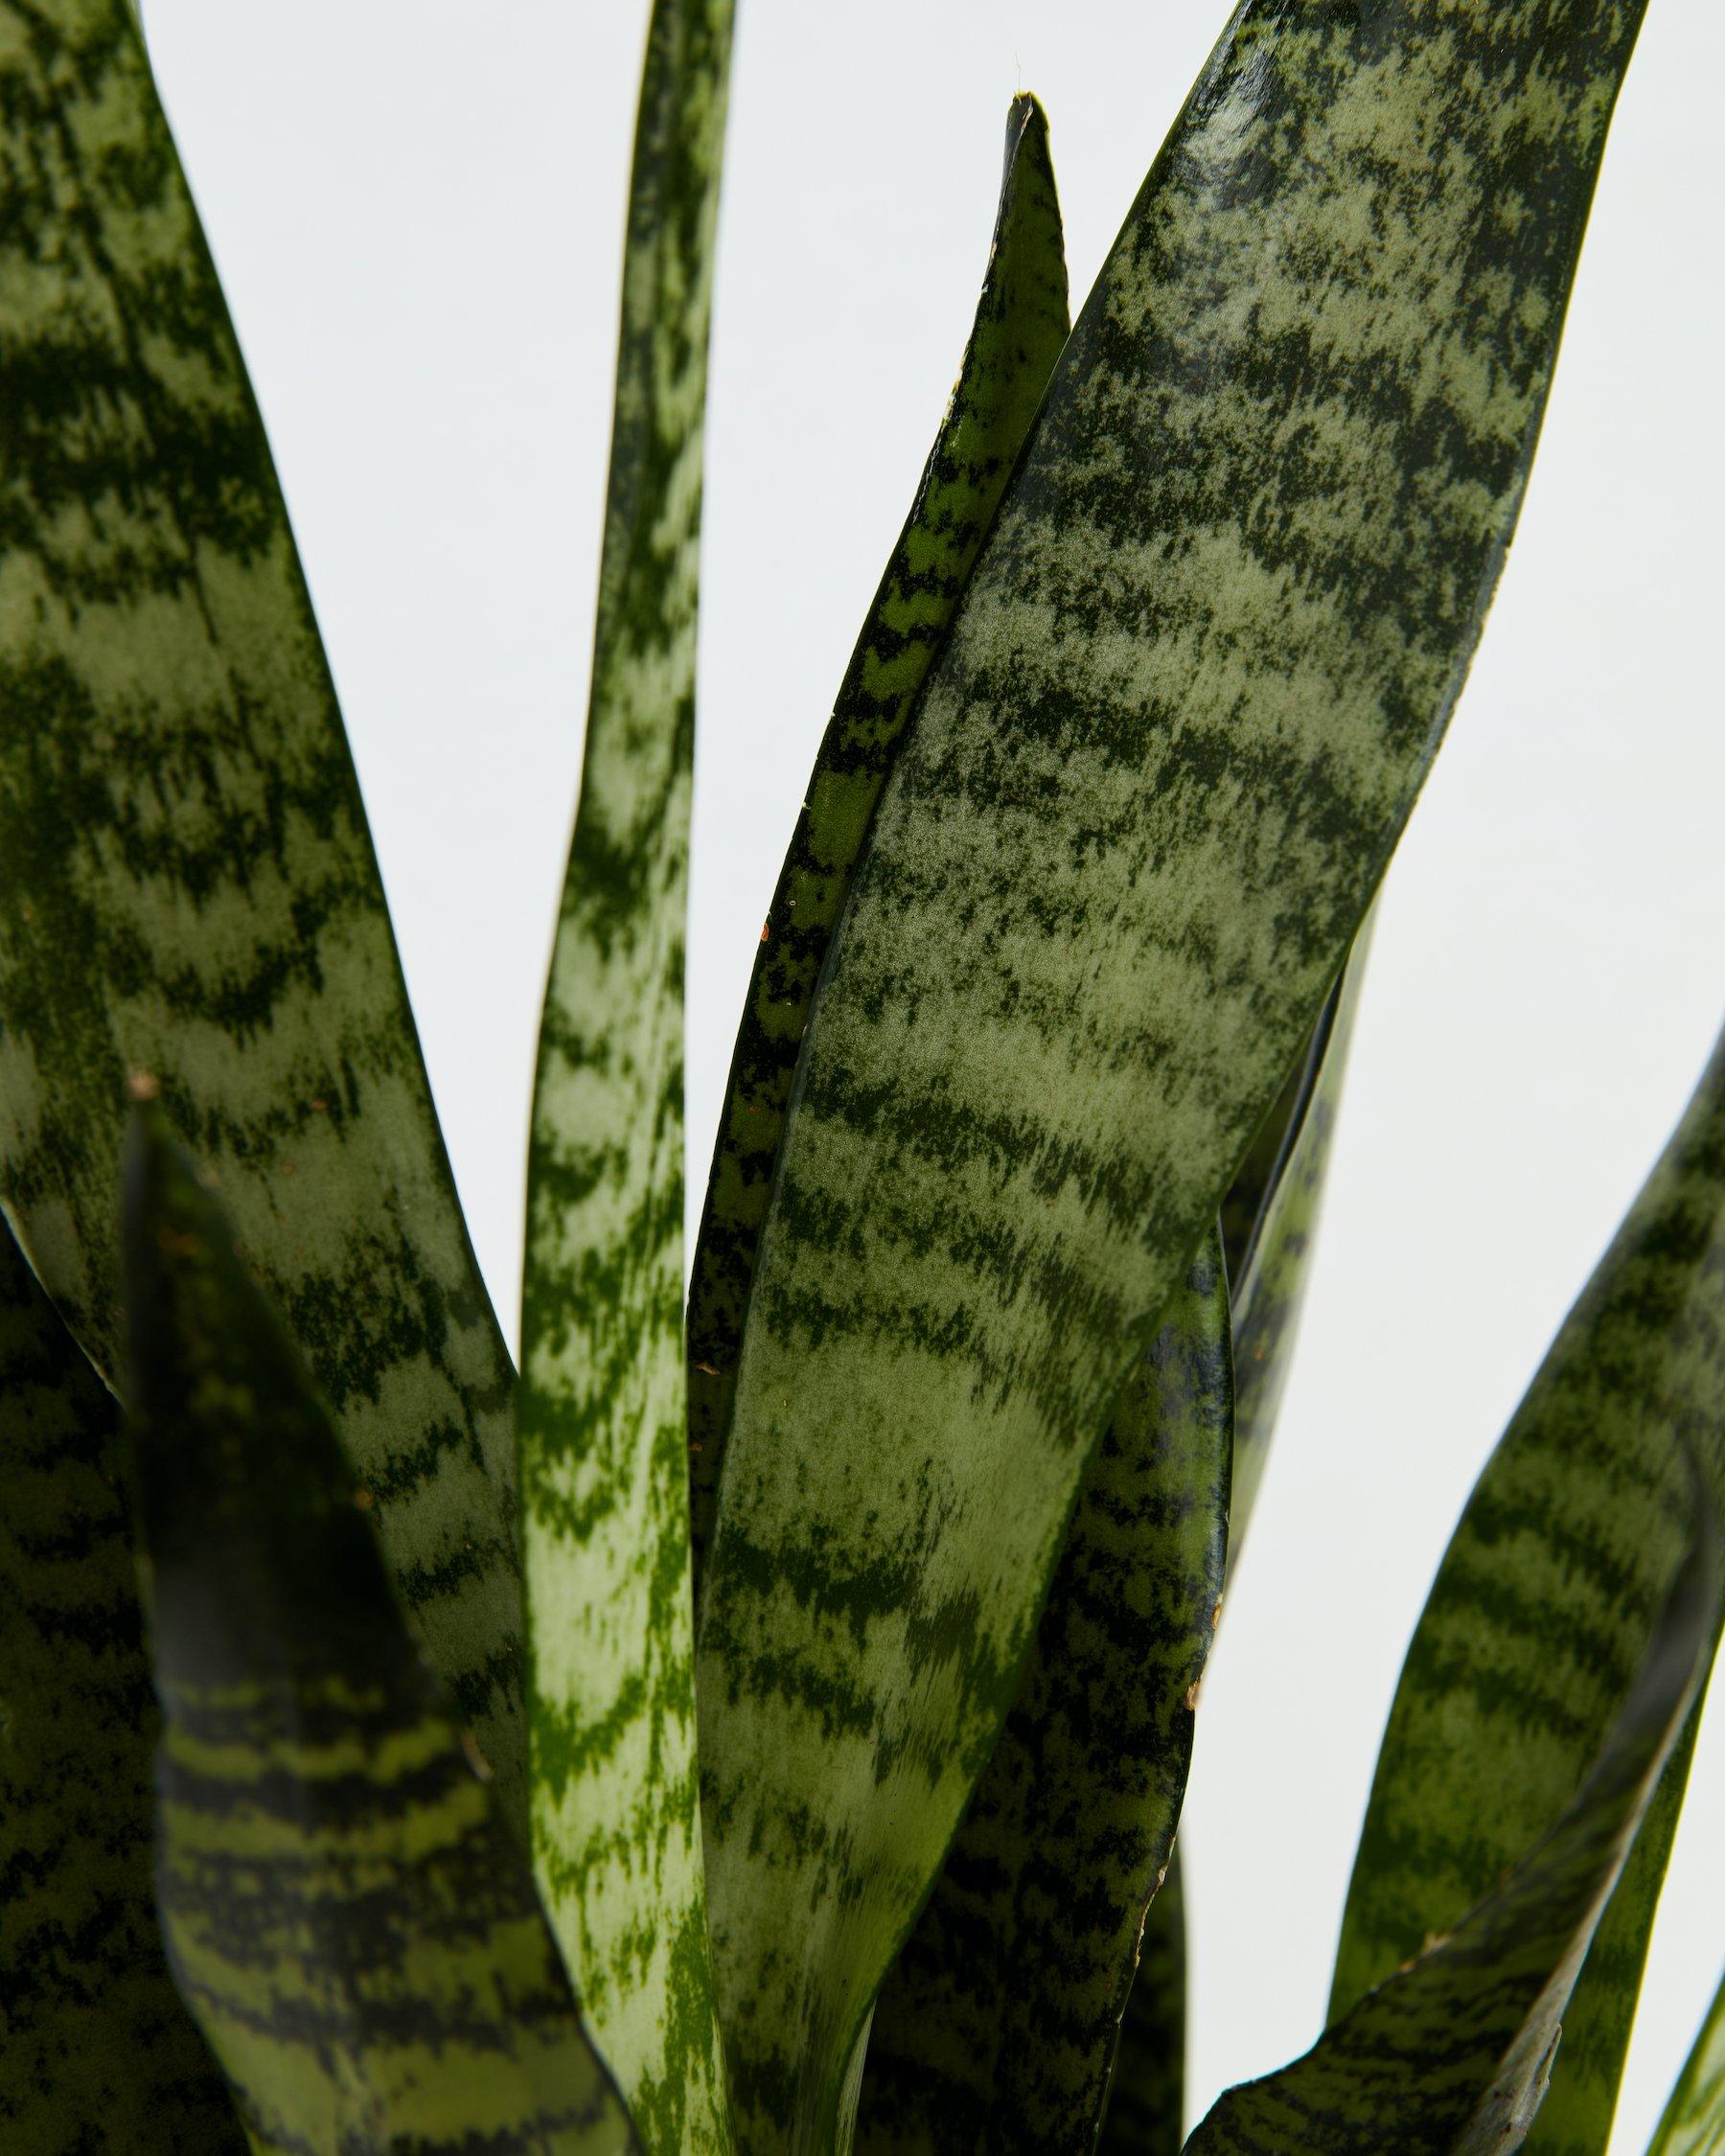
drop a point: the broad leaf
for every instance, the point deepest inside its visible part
(997, 2028)
(1190, 693)
(1693, 2124)
(1020, 327)
(615, 1801)
(1449, 2055)
(346, 1908)
(1540, 1609)
(96, 2053)
(187, 884)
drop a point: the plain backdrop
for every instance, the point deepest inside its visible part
(418, 215)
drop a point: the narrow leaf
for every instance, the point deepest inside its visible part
(346, 1909)
(187, 884)
(1449, 2055)
(1145, 2113)
(1693, 2124)
(1020, 327)
(997, 2029)
(1190, 691)
(97, 2051)
(1540, 1607)
(615, 1809)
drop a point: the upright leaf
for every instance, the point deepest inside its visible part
(997, 2028)
(1021, 325)
(1693, 2124)
(1145, 2107)
(1190, 693)
(1449, 2055)
(96, 2053)
(347, 1910)
(616, 1818)
(187, 884)
(1541, 1605)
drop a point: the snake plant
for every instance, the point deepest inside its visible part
(762, 1725)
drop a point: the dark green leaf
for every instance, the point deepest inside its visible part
(1146, 2092)
(997, 2029)
(346, 1908)
(1693, 2124)
(187, 884)
(1189, 694)
(1021, 325)
(1540, 1609)
(615, 1799)
(1449, 2055)
(96, 2053)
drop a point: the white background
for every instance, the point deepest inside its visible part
(418, 215)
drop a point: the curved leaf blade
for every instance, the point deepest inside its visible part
(1540, 1607)
(1177, 737)
(346, 1909)
(615, 1800)
(1693, 2124)
(1145, 2114)
(1021, 325)
(997, 2029)
(1449, 2056)
(187, 883)
(96, 2053)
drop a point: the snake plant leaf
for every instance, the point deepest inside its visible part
(997, 2029)
(615, 1802)
(346, 1908)
(1190, 690)
(97, 2051)
(1693, 2124)
(1145, 2114)
(1539, 1609)
(1020, 327)
(187, 883)
(1449, 2055)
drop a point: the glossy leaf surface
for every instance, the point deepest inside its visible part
(1020, 327)
(1449, 2055)
(187, 884)
(1540, 1608)
(97, 2051)
(1693, 2124)
(1190, 690)
(616, 1805)
(997, 2028)
(346, 1908)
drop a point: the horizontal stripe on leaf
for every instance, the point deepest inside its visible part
(347, 1911)
(97, 2051)
(1020, 327)
(996, 2030)
(1539, 1609)
(615, 1799)
(1450, 2055)
(187, 883)
(1693, 2124)
(1188, 695)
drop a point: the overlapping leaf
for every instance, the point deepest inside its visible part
(1146, 2112)
(1540, 1609)
(97, 2051)
(1189, 692)
(1021, 325)
(187, 884)
(615, 1807)
(996, 2030)
(1693, 2124)
(347, 1911)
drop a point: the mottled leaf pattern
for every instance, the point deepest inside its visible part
(96, 2053)
(616, 1818)
(1693, 2124)
(1021, 325)
(1540, 1608)
(1145, 2113)
(187, 884)
(346, 1908)
(1449, 2055)
(1190, 690)
(996, 2030)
